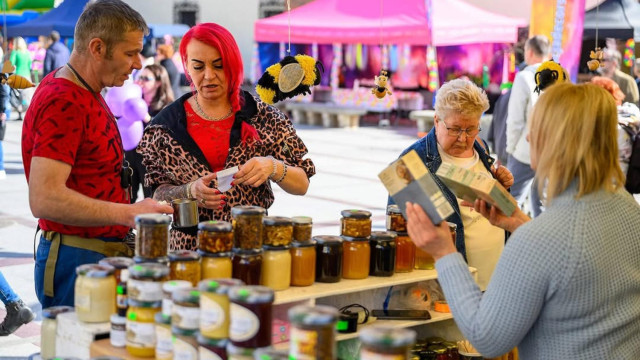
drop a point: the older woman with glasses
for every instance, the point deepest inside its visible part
(459, 105)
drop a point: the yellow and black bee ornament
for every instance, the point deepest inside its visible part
(292, 76)
(381, 81)
(14, 81)
(549, 73)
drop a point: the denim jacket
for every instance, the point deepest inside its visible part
(427, 149)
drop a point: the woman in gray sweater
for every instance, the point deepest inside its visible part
(567, 285)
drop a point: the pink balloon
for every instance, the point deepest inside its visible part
(135, 109)
(116, 97)
(131, 133)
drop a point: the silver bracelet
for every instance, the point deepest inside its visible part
(275, 167)
(284, 173)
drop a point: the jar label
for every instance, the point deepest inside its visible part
(368, 355)
(142, 335)
(144, 290)
(206, 354)
(83, 301)
(187, 318)
(164, 343)
(167, 304)
(303, 343)
(121, 301)
(118, 337)
(244, 323)
(212, 315)
(182, 350)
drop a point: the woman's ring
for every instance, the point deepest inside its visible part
(203, 201)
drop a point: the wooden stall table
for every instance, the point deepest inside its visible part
(103, 348)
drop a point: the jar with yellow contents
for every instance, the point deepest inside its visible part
(355, 223)
(215, 236)
(214, 307)
(185, 265)
(405, 253)
(95, 293)
(141, 332)
(356, 257)
(215, 265)
(276, 267)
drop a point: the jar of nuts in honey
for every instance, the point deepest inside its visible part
(152, 235)
(215, 236)
(185, 265)
(302, 228)
(276, 231)
(395, 220)
(247, 227)
(356, 223)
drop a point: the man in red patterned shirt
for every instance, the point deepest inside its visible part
(73, 156)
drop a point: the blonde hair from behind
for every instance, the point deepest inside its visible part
(574, 135)
(460, 96)
(19, 43)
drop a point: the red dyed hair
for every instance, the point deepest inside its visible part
(611, 86)
(221, 39)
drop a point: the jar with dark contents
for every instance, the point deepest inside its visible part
(247, 227)
(405, 253)
(312, 334)
(356, 223)
(383, 253)
(209, 348)
(251, 315)
(302, 226)
(215, 265)
(440, 351)
(185, 312)
(452, 350)
(328, 258)
(385, 342)
(303, 263)
(145, 281)
(395, 221)
(152, 235)
(247, 266)
(355, 257)
(276, 231)
(185, 265)
(215, 236)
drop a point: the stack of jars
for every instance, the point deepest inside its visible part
(152, 238)
(355, 232)
(277, 233)
(247, 243)
(215, 241)
(185, 265)
(215, 315)
(303, 252)
(405, 248)
(250, 327)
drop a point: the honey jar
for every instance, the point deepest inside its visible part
(185, 265)
(215, 265)
(303, 263)
(251, 315)
(185, 313)
(247, 266)
(95, 293)
(276, 231)
(276, 267)
(141, 330)
(302, 226)
(395, 221)
(247, 227)
(328, 258)
(356, 257)
(152, 235)
(214, 307)
(356, 223)
(312, 333)
(215, 236)
(168, 287)
(405, 253)
(145, 282)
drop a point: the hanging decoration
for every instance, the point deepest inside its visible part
(382, 80)
(597, 55)
(629, 53)
(362, 57)
(14, 81)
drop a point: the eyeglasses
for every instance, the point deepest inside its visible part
(146, 78)
(471, 132)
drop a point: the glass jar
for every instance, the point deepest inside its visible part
(385, 342)
(164, 339)
(214, 307)
(239, 353)
(356, 257)
(247, 266)
(251, 314)
(424, 260)
(185, 313)
(168, 287)
(95, 293)
(276, 267)
(452, 350)
(276, 231)
(152, 235)
(145, 281)
(141, 332)
(356, 223)
(440, 351)
(49, 328)
(185, 265)
(247, 227)
(185, 345)
(302, 226)
(405, 253)
(395, 221)
(328, 258)
(383, 253)
(118, 333)
(312, 333)
(212, 349)
(120, 264)
(164, 260)
(303, 263)
(215, 265)
(215, 236)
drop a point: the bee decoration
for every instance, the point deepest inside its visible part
(382, 81)
(549, 73)
(14, 81)
(292, 76)
(597, 59)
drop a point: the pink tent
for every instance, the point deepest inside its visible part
(455, 22)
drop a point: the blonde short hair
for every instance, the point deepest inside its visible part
(574, 135)
(462, 97)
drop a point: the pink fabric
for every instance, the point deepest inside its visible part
(455, 22)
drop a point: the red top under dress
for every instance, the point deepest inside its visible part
(212, 137)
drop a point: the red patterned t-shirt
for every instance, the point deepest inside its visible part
(66, 123)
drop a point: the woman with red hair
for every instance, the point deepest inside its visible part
(215, 127)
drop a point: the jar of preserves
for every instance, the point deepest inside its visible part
(141, 332)
(212, 349)
(276, 267)
(440, 351)
(276, 230)
(302, 226)
(145, 282)
(328, 258)
(356, 223)
(383, 253)
(164, 339)
(385, 342)
(239, 353)
(215, 236)
(312, 334)
(247, 227)
(185, 313)
(152, 235)
(185, 345)
(120, 264)
(49, 328)
(215, 265)
(303, 263)
(395, 220)
(247, 266)
(95, 293)
(185, 265)
(356, 257)
(118, 333)
(452, 350)
(405, 253)
(251, 314)
(214, 307)
(168, 287)
(424, 260)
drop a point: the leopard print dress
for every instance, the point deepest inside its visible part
(172, 157)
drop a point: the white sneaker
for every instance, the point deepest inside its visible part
(3, 174)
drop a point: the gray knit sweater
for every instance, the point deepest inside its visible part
(567, 285)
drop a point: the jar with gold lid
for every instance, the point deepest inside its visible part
(185, 265)
(405, 253)
(215, 236)
(214, 307)
(328, 258)
(145, 281)
(152, 235)
(141, 331)
(356, 223)
(247, 227)
(276, 267)
(383, 253)
(95, 293)
(247, 266)
(302, 226)
(386, 342)
(356, 257)
(215, 265)
(276, 231)
(303, 263)
(185, 313)
(395, 220)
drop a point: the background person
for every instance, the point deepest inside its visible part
(18, 313)
(611, 69)
(164, 52)
(57, 54)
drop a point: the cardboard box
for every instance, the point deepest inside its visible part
(469, 185)
(408, 179)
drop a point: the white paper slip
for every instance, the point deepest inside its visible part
(225, 177)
